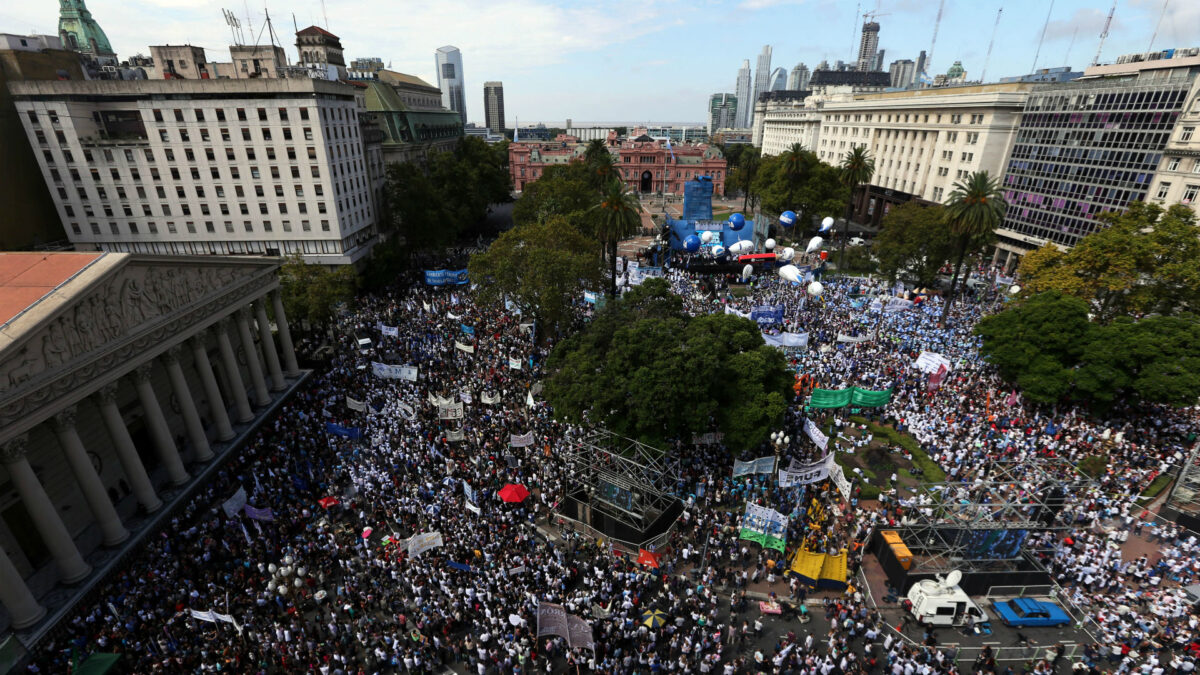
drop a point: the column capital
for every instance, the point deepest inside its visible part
(142, 373)
(225, 324)
(65, 419)
(172, 354)
(14, 449)
(108, 393)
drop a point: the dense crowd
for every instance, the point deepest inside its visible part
(327, 584)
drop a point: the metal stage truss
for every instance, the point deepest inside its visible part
(989, 524)
(1183, 501)
(629, 481)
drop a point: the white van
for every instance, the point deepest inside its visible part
(940, 602)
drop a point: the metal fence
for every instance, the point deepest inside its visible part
(965, 656)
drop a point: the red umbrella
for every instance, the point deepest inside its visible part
(328, 502)
(513, 493)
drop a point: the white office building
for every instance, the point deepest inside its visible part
(742, 92)
(448, 61)
(196, 167)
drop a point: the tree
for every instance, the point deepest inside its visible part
(566, 190)
(1036, 343)
(616, 216)
(793, 161)
(741, 177)
(1156, 360)
(857, 169)
(313, 292)
(544, 267)
(811, 189)
(1145, 260)
(975, 209)
(644, 369)
(914, 240)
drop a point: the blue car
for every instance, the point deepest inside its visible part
(1021, 612)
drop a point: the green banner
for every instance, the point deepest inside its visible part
(840, 398)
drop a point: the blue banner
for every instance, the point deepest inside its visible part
(458, 566)
(767, 314)
(339, 430)
(469, 330)
(446, 277)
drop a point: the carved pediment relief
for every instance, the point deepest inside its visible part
(132, 300)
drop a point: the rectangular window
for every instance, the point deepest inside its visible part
(1186, 134)
(1163, 189)
(1189, 193)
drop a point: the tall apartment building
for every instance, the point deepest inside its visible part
(743, 93)
(778, 79)
(1094, 145)
(798, 79)
(1178, 178)
(493, 106)
(722, 112)
(785, 120)
(868, 45)
(194, 167)
(448, 62)
(903, 72)
(922, 140)
(762, 75)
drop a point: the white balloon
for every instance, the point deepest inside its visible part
(787, 253)
(826, 223)
(718, 251)
(814, 244)
(747, 271)
(789, 273)
(705, 237)
(815, 289)
(741, 246)
(769, 244)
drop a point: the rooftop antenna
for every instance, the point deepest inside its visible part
(1042, 39)
(249, 21)
(855, 31)
(1104, 33)
(235, 26)
(1071, 46)
(987, 59)
(295, 26)
(1157, 25)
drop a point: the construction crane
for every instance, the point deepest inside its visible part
(987, 59)
(1042, 39)
(936, 23)
(1104, 33)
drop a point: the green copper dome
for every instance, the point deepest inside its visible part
(79, 31)
(956, 71)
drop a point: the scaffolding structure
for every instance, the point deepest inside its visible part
(991, 523)
(629, 481)
(1184, 498)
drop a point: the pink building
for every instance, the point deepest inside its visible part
(644, 164)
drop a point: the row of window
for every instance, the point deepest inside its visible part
(132, 227)
(905, 118)
(1190, 192)
(273, 248)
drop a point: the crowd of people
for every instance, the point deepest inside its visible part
(361, 464)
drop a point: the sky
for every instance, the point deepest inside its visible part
(654, 61)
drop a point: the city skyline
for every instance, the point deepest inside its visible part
(561, 60)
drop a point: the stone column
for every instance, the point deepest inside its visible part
(285, 335)
(215, 403)
(41, 510)
(89, 481)
(191, 418)
(245, 414)
(159, 431)
(15, 596)
(996, 256)
(268, 345)
(262, 397)
(135, 471)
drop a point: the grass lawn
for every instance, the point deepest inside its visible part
(877, 464)
(1154, 489)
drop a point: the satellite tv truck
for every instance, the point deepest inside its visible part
(940, 602)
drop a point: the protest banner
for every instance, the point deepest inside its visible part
(766, 527)
(452, 411)
(454, 435)
(391, 372)
(470, 349)
(346, 432)
(839, 479)
(489, 398)
(805, 474)
(814, 433)
(787, 340)
(419, 543)
(853, 339)
(234, 504)
(766, 315)
(389, 331)
(355, 405)
(515, 364)
(406, 411)
(710, 438)
(760, 465)
(929, 362)
(258, 514)
(523, 441)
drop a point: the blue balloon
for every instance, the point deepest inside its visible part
(737, 221)
(691, 244)
(787, 218)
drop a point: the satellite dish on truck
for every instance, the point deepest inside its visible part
(952, 578)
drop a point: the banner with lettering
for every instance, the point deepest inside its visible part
(419, 543)
(523, 441)
(767, 527)
(711, 438)
(258, 514)
(234, 504)
(787, 340)
(470, 349)
(355, 405)
(814, 433)
(453, 411)
(767, 314)
(489, 398)
(839, 479)
(805, 474)
(346, 432)
(760, 465)
(447, 277)
(853, 339)
(515, 364)
(406, 411)
(389, 331)
(390, 372)
(929, 362)
(454, 435)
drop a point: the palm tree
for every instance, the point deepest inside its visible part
(743, 176)
(617, 216)
(857, 168)
(604, 168)
(975, 208)
(595, 148)
(793, 160)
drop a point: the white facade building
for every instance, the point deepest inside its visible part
(1177, 180)
(194, 167)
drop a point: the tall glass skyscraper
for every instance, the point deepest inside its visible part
(1083, 148)
(762, 80)
(493, 106)
(448, 61)
(743, 95)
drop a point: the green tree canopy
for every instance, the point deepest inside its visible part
(800, 183)
(974, 209)
(914, 243)
(544, 267)
(644, 369)
(1156, 360)
(1036, 343)
(313, 292)
(1145, 260)
(567, 190)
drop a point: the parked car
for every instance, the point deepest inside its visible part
(1021, 612)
